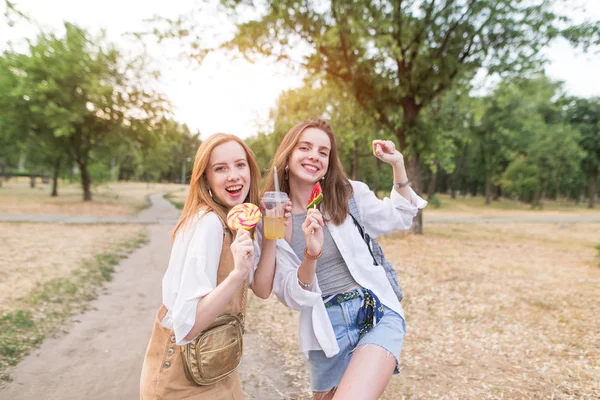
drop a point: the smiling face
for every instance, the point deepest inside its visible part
(228, 174)
(309, 160)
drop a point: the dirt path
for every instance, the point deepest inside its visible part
(99, 354)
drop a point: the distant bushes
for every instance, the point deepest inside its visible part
(435, 201)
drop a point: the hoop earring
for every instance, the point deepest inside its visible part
(286, 172)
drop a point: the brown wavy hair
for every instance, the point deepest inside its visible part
(198, 197)
(336, 186)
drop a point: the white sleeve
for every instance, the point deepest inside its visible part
(384, 216)
(199, 273)
(285, 281)
(286, 287)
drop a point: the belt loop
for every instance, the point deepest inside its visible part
(360, 291)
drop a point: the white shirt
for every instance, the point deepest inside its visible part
(378, 217)
(192, 271)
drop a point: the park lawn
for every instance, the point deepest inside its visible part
(111, 199)
(177, 196)
(493, 311)
(49, 272)
(474, 206)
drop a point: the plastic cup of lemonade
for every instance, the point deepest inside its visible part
(274, 209)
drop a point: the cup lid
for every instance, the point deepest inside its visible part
(272, 195)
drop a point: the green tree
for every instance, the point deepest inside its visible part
(584, 115)
(516, 114)
(528, 147)
(557, 157)
(171, 156)
(396, 57)
(520, 179)
(79, 91)
(446, 127)
(13, 131)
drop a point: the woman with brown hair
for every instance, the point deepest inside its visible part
(351, 322)
(208, 270)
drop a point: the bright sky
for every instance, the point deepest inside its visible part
(236, 96)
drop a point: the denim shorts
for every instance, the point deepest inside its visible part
(326, 373)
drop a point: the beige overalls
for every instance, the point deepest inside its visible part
(163, 376)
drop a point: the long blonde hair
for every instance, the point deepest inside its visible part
(336, 186)
(199, 197)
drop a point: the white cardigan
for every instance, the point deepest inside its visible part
(192, 271)
(379, 217)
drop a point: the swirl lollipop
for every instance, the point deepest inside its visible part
(243, 216)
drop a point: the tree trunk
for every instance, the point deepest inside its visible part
(539, 194)
(86, 181)
(71, 167)
(377, 186)
(355, 161)
(474, 189)
(488, 188)
(433, 181)
(593, 190)
(411, 111)
(113, 165)
(55, 174)
(497, 192)
(414, 174)
(452, 185)
(32, 181)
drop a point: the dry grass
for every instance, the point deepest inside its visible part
(493, 311)
(51, 271)
(467, 206)
(113, 199)
(178, 196)
(32, 254)
(43, 296)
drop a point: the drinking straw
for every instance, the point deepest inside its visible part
(276, 180)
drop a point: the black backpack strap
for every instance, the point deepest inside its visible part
(355, 214)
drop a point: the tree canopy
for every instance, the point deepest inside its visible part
(77, 95)
(395, 58)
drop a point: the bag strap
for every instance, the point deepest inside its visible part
(243, 310)
(355, 214)
(354, 211)
(242, 313)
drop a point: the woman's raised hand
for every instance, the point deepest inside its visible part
(386, 151)
(242, 249)
(313, 231)
(287, 216)
(287, 221)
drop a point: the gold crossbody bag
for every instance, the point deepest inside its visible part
(217, 351)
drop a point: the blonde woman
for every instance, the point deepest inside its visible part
(207, 269)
